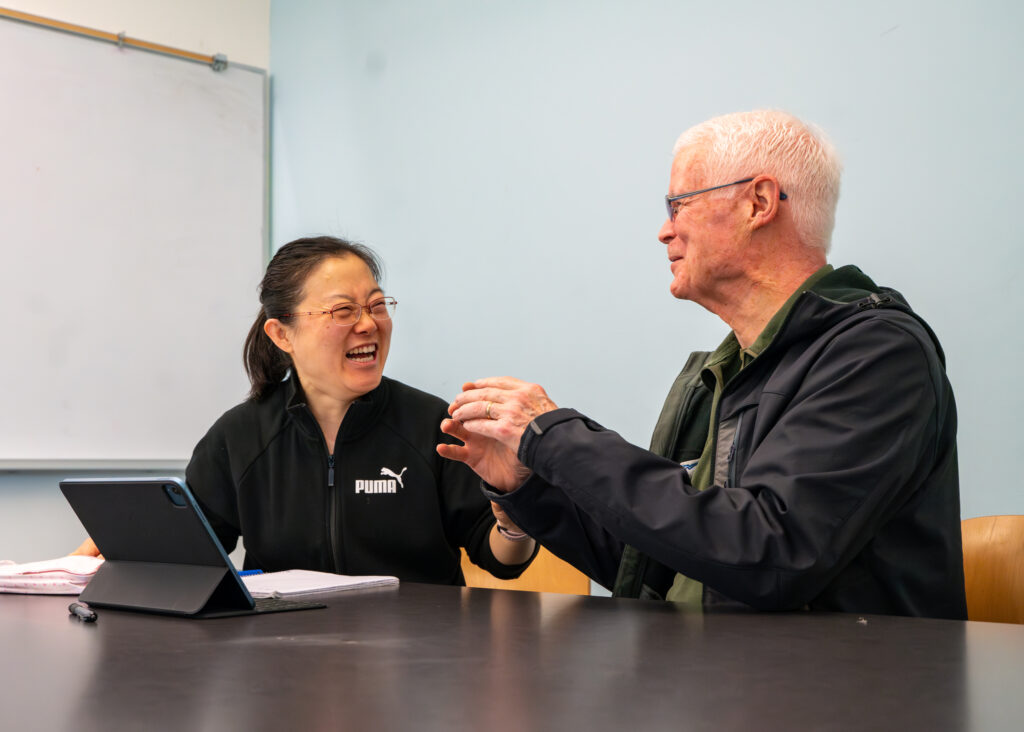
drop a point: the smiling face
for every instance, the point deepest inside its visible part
(340, 362)
(706, 240)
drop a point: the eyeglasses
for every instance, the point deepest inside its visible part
(670, 200)
(349, 313)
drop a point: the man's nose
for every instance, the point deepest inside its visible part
(667, 232)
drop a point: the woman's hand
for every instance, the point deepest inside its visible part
(87, 548)
(487, 457)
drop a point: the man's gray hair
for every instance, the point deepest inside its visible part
(745, 144)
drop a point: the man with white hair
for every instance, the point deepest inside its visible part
(808, 462)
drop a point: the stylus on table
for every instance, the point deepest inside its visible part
(83, 612)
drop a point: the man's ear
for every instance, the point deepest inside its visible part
(765, 201)
(278, 333)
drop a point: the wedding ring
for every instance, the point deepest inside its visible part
(487, 411)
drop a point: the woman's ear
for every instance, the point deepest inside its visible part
(278, 333)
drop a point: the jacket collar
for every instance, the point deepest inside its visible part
(839, 295)
(361, 416)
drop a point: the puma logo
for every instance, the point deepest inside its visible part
(389, 484)
(393, 474)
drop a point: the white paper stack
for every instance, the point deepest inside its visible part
(62, 576)
(294, 582)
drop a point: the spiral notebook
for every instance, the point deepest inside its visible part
(298, 582)
(161, 554)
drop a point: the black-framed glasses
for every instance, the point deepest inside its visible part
(349, 313)
(670, 200)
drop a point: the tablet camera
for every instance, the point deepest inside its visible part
(175, 493)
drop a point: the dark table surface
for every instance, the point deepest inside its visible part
(424, 657)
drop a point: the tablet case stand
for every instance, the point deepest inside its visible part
(181, 589)
(161, 554)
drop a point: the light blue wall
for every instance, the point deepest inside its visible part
(509, 162)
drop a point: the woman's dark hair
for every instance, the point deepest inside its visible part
(280, 291)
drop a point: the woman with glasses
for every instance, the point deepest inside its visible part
(329, 465)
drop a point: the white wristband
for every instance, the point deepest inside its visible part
(512, 535)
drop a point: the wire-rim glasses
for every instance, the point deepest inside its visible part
(672, 210)
(349, 313)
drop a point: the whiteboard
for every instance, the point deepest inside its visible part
(133, 229)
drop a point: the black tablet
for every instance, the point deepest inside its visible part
(161, 554)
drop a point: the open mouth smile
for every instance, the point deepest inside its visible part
(363, 354)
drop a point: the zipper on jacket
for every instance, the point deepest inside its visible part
(731, 480)
(715, 423)
(332, 517)
(874, 300)
(728, 461)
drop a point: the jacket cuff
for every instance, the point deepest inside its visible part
(536, 429)
(529, 487)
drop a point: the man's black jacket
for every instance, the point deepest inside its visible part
(835, 476)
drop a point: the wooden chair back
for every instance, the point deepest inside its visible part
(547, 573)
(994, 568)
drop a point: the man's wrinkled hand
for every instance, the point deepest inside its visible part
(500, 408)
